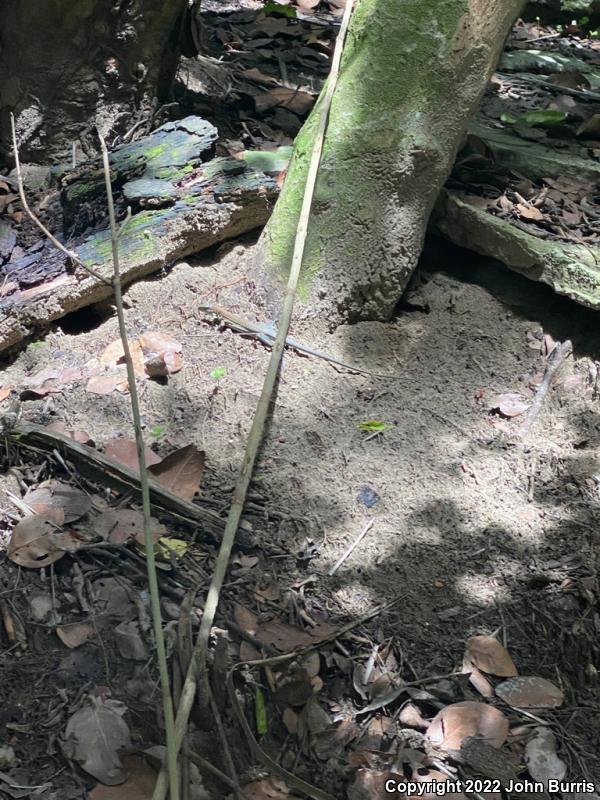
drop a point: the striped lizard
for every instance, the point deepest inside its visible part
(267, 332)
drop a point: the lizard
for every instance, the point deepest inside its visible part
(267, 332)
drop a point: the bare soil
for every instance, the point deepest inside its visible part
(474, 530)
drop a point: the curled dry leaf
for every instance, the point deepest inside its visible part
(509, 405)
(282, 636)
(36, 543)
(541, 757)
(530, 692)
(57, 495)
(107, 384)
(181, 471)
(246, 619)
(114, 355)
(124, 451)
(139, 784)
(78, 436)
(93, 737)
(477, 678)
(411, 716)
(487, 654)
(454, 722)
(121, 525)
(161, 354)
(75, 634)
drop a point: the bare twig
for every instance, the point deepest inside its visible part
(161, 656)
(59, 245)
(197, 674)
(555, 360)
(349, 550)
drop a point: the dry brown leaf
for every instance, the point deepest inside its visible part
(477, 679)
(113, 598)
(94, 735)
(161, 354)
(529, 212)
(295, 690)
(114, 354)
(282, 636)
(35, 543)
(124, 451)
(139, 785)
(249, 653)
(180, 472)
(57, 495)
(75, 634)
(411, 716)
(78, 436)
(454, 722)
(120, 525)
(246, 619)
(488, 655)
(4, 392)
(543, 763)
(509, 405)
(107, 384)
(530, 692)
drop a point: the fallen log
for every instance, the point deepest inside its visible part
(181, 206)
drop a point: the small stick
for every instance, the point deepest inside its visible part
(348, 552)
(555, 360)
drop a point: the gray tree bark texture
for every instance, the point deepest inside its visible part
(412, 75)
(67, 66)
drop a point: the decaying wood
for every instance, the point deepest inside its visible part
(180, 205)
(104, 470)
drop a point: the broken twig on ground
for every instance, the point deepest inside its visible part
(349, 550)
(555, 360)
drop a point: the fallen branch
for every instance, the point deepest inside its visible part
(555, 360)
(100, 468)
(197, 674)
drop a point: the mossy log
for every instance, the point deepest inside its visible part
(570, 268)
(182, 206)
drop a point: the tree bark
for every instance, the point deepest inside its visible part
(412, 75)
(66, 67)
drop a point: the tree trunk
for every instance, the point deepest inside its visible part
(66, 67)
(412, 75)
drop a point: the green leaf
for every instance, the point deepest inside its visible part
(545, 116)
(219, 372)
(35, 345)
(158, 430)
(261, 712)
(507, 118)
(373, 426)
(277, 8)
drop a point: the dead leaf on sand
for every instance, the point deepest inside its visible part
(124, 451)
(181, 471)
(530, 692)
(139, 785)
(487, 654)
(93, 737)
(35, 543)
(454, 722)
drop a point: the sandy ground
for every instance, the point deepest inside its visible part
(474, 530)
